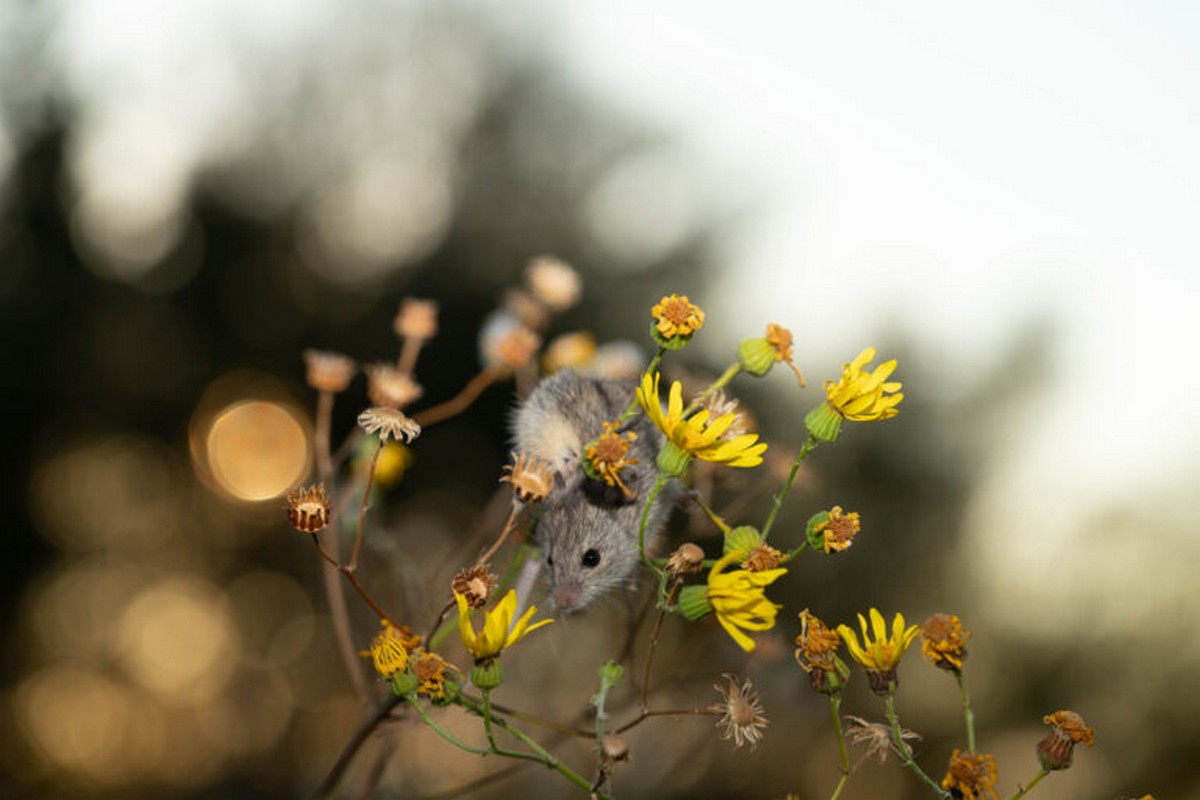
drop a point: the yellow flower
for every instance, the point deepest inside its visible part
(738, 600)
(862, 396)
(676, 316)
(695, 435)
(858, 396)
(391, 464)
(389, 650)
(879, 655)
(499, 632)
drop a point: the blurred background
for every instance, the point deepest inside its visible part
(1004, 199)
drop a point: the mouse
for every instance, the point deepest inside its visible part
(588, 531)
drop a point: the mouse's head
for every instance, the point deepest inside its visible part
(589, 546)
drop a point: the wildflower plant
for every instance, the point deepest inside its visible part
(488, 599)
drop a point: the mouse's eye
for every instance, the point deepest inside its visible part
(591, 557)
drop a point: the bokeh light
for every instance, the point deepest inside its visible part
(256, 450)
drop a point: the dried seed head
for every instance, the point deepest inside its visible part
(388, 386)
(387, 422)
(688, 559)
(526, 308)
(327, 371)
(1067, 729)
(531, 479)
(741, 712)
(416, 319)
(971, 775)
(615, 749)
(475, 584)
(308, 509)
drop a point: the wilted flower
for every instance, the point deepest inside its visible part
(687, 558)
(816, 653)
(605, 456)
(430, 671)
(327, 371)
(834, 530)
(389, 650)
(390, 387)
(758, 355)
(761, 558)
(971, 776)
(531, 479)
(388, 421)
(308, 509)
(879, 653)
(741, 712)
(1067, 730)
(877, 736)
(944, 641)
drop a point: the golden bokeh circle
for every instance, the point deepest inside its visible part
(257, 450)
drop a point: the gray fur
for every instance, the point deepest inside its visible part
(563, 414)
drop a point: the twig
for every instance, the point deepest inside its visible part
(460, 402)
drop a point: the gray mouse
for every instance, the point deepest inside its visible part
(588, 531)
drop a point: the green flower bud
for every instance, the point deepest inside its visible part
(673, 460)
(742, 539)
(824, 423)
(693, 602)
(487, 674)
(816, 537)
(403, 684)
(757, 356)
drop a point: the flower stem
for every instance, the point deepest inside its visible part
(712, 515)
(460, 402)
(445, 734)
(805, 449)
(719, 383)
(659, 483)
(835, 705)
(902, 749)
(1024, 790)
(968, 714)
(362, 511)
(653, 647)
(539, 754)
(508, 527)
(358, 587)
(653, 365)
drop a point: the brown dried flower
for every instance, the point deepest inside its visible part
(780, 339)
(971, 776)
(327, 371)
(762, 558)
(388, 421)
(388, 386)
(687, 559)
(531, 479)
(1067, 730)
(839, 530)
(475, 584)
(944, 641)
(877, 736)
(430, 669)
(416, 319)
(308, 509)
(741, 712)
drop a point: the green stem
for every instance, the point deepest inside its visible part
(445, 734)
(968, 714)
(719, 383)
(805, 449)
(835, 705)
(1024, 790)
(659, 483)
(653, 365)
(712, 515)
(539, 754)
(902, 749)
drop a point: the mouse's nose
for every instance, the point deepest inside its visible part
(567, 596)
